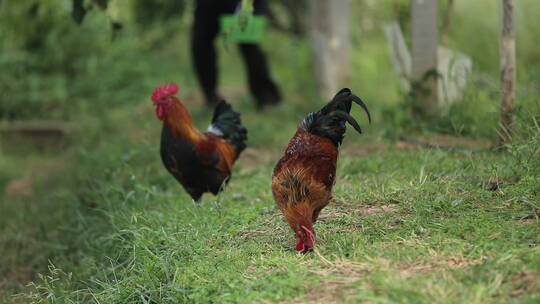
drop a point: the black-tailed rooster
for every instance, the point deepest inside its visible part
(303, 178)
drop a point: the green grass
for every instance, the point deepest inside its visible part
(103, 222)
(405, 225)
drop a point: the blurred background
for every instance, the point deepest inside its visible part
(76, 78)
(56, 69)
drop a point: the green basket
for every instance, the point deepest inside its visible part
(252, 33)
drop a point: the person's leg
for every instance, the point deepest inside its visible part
(261, 85)
(205, 29)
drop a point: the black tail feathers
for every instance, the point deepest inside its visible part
(227, 124)
(343, 101)
(330, 120)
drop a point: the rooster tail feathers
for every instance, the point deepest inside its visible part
(343, 101)
(227, 124)
(330, 120)
(347, 117)
(221, 107)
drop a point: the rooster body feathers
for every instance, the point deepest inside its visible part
(194, 171)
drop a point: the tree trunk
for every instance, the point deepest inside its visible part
(330, 38)
(424, 55)
(446, 22)
(508, 71)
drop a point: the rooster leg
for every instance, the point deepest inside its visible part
(195, 195)
(223, 184)
(197, 208)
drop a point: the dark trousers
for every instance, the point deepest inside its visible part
(205, 29)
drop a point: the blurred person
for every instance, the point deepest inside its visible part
(205, 29)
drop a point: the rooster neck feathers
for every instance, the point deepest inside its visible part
(180, 123)
(330, 127)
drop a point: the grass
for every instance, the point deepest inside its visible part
(406, 225)
(103, 222)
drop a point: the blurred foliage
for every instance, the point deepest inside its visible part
(148, 12)
(48, 63)
(289, 16)
(81, 7)
(52, 68)
(42, 52)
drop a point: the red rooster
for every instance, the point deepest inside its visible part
(303, 178)
(201, 162)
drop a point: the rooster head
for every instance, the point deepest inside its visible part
(163, 98)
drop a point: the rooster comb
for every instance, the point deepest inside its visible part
(167, 89)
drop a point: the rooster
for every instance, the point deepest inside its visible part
(200, 162)
(303, 178)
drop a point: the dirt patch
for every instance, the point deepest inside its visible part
(365, 149)
(44, 169)
(19, 187)
(425, 265)
(372, 210)
(274, 222)
(496, 183)
(528, 220)
(270, 225)
(255, 157)
(331, 292)
(256, 272)
(533, 217)
(351, 271)
(348, 271)
(524, 282)
(443, 142)
(15, 277)
(36, 171)
(336, 278)
(337, 208)
(457, 141)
